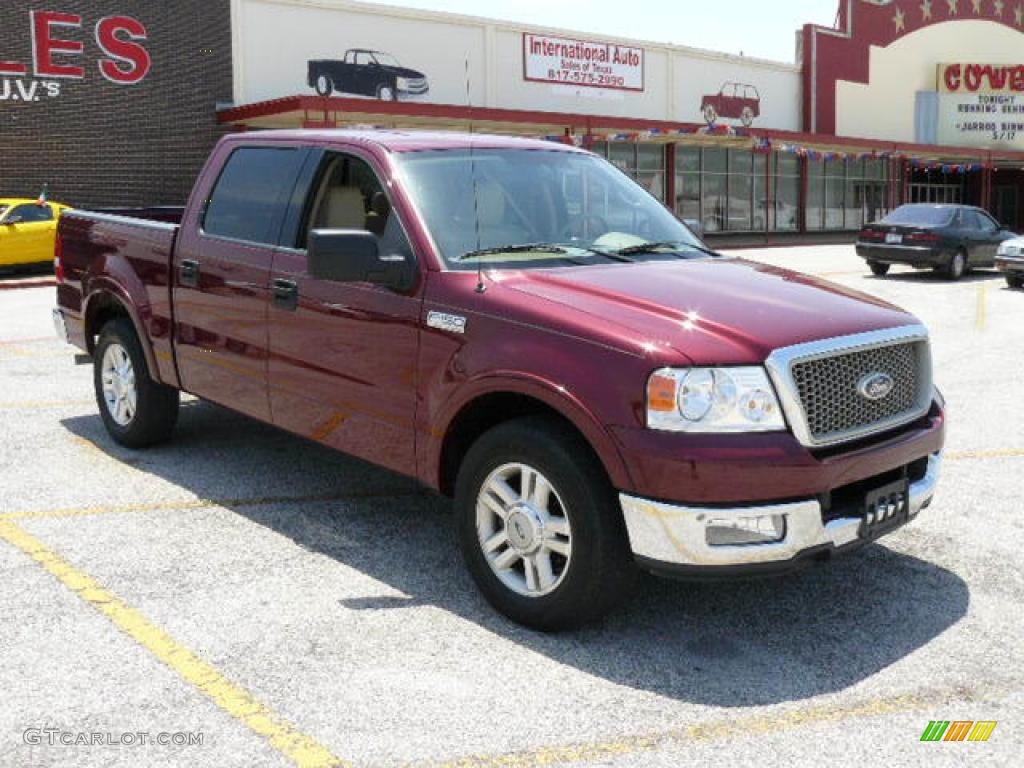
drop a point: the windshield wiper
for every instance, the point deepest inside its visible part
(545, 248)
(524, 248)
(635, 250)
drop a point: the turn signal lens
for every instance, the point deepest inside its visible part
(661, 394)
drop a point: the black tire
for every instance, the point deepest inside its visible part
(879, 269)
(600, 572)
(1015, 281)
(387, 92)
(324, 85)
(956, 267)
(156, 410)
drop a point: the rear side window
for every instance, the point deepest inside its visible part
(250, 197)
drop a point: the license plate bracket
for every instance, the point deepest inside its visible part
(885, 509)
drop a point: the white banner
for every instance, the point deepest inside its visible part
(991, 120)
(580, 63)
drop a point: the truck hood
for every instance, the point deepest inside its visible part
(409, 74)
(709, 311)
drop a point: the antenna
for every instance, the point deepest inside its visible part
(480, 287)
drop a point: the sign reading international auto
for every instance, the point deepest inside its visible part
(981, 105)
(567, 61)
(58, 54)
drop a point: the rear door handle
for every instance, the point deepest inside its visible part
(286, 295)
(189, 273)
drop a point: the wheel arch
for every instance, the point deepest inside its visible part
(484, 410)
(106, 304)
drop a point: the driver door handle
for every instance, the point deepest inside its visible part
(189, 273)
(286, 294)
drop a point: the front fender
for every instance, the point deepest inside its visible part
(528, 385)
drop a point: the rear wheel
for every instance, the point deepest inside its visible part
(879, 269)
(136, 410)
(539, 526)
(710, 114)
(956, 267)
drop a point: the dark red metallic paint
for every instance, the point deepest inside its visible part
(357, 367)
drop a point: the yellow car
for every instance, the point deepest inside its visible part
(27, 231)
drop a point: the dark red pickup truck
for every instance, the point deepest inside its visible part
(520, 326)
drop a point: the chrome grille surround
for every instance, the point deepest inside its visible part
(817, 384)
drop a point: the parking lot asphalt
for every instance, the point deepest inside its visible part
(292, 606)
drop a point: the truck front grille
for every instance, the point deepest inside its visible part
(829, 395)
(823, 384)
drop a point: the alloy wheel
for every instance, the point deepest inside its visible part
(523, 530)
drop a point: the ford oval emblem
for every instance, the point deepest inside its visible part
(876, 386)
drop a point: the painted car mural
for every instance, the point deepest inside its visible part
(365, 72)
(737, 101)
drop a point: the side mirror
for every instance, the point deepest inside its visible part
(695, 226)
(352, 256)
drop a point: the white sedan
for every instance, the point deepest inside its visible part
(1010, 261)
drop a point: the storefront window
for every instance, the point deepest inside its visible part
(650, 164)
(728, 190)
(815, 195)
(835, 193)
(688, 182)
(760, 181)
(740, 190)
(715, 190)
(645, 163)
(787, 193)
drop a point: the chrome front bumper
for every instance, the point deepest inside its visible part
(678, 535)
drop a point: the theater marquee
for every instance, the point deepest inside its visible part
(981, 105)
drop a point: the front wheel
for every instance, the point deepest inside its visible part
(747, 117)
(878, 269)
(1015, 281)
(386, 93)
(137, 411)
(539, 526)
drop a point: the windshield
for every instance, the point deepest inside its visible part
(920, 216)
(575, 205)
(386, 59)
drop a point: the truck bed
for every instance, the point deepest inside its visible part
(130, 253)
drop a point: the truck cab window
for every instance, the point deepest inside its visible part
(250, 197)
(350, 196)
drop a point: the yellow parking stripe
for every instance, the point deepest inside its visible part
(188, 504)
(722, 729)
(29, 405)
(1005, 453)
(301, 749)
(981, 313)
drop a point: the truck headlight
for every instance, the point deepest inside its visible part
(712, 400)
(402, 83)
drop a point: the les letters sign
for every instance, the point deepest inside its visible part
(58, 53)
(566, 61)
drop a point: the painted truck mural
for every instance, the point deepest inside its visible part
(365, 72)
